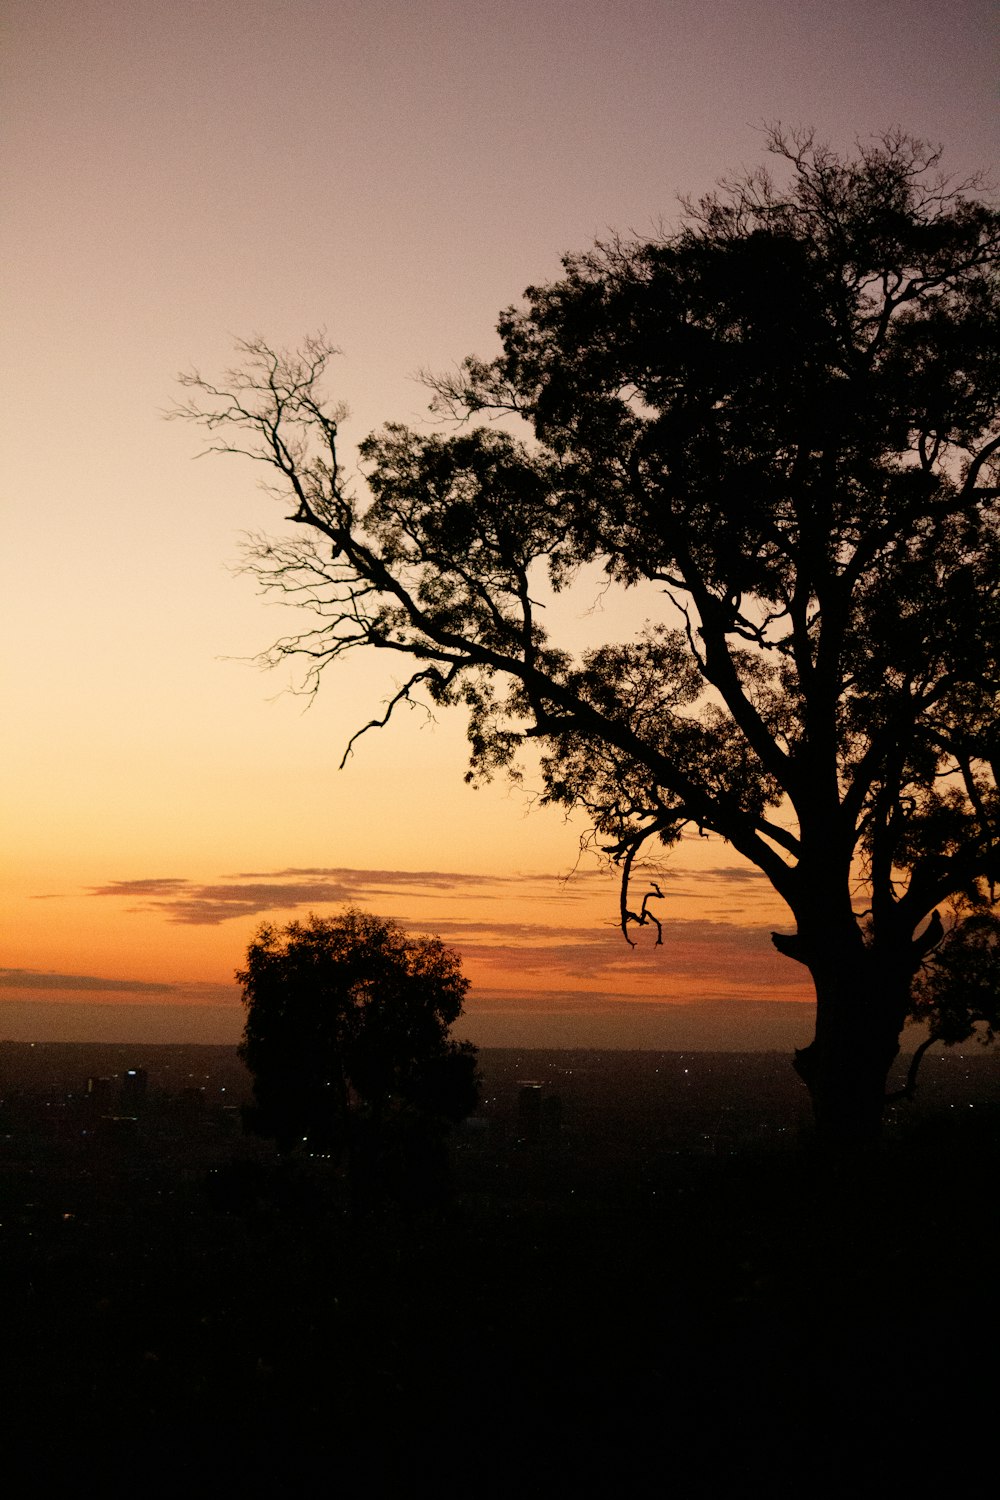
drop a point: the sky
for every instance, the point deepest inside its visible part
(394, 172)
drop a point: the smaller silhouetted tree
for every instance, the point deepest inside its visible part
(347, 1041)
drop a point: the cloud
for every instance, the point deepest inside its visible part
(531, 932)
(605, 938)
(299, 888)
(54, 986)
(252, 894)
(693, 948)
(37, 979)
(697, 956)
(433, 879)
(576, 1002)
(127, 1024)
(161, 886)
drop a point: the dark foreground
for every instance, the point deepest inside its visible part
(636, 1286)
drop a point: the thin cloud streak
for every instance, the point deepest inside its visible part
(56, 986)
(690, 951)
(204, 905)
(38, 979)
(349, 874)
(596, 1002)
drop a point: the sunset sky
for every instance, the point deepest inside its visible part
(394, 172)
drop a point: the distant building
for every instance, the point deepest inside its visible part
(551, 1117)
(100, 1092)
(133, 1088)
(191, 1102)
(474, 1130)
(529, 1110)
(118, 1130)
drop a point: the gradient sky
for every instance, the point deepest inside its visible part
(180, 174)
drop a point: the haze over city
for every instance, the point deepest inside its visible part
(179, 176)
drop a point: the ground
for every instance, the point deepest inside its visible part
(586, 1311)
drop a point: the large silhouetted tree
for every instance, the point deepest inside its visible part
(347, 1041)
(784, 415)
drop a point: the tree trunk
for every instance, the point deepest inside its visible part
(859, 1016)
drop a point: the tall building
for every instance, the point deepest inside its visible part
(133, 1089)
(529, 1110)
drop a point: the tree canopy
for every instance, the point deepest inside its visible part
(784, 415)
(347, 1035)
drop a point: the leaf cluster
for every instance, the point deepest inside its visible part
(957, 994)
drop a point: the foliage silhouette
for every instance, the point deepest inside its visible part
(346, 1038)
(957, 994)
(784, 415)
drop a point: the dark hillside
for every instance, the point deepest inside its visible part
(636, 1286)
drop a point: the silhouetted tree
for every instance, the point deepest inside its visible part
(784, 415)
(347, 1041)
